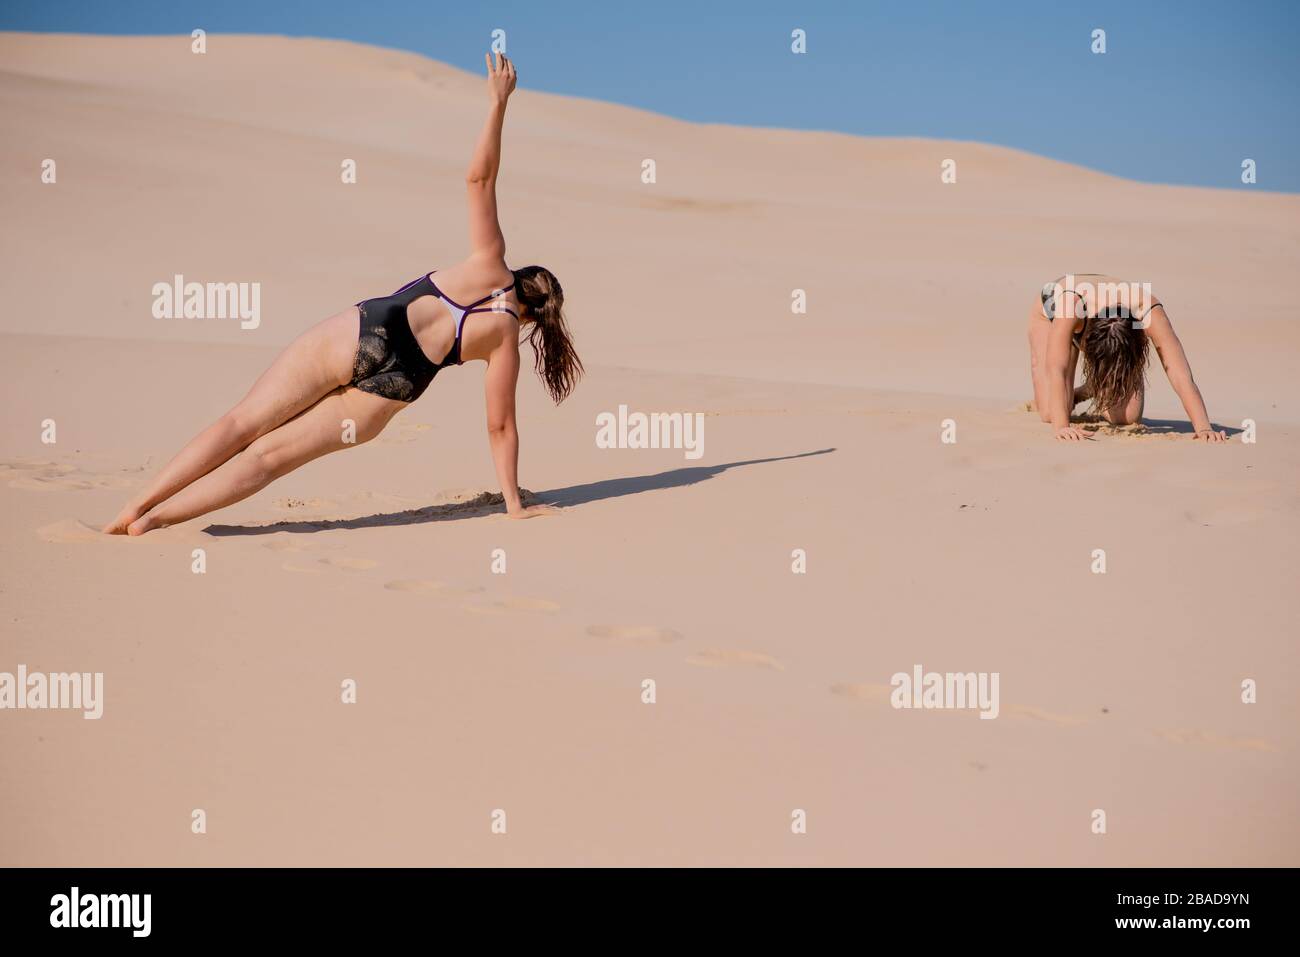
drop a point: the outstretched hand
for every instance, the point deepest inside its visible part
(1070, 433)
(501, 77)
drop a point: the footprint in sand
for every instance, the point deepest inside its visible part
(880, 694)
(1038, 714)
(42, 483)
(1212, 739)
(72, 530)
(483, 609)
(403, 432)
(68, 483)
(21, 468)
(640, 634)
(341, 562)
(1235, 514)
(514, 604)
(726, 657)
(58, 477)
(288, 545)
(863, 692)
(346, 564)
(430, 587)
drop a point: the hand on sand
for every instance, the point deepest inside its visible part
(1210, 435)
(533, 511)
(501, 77)
(1069, 433)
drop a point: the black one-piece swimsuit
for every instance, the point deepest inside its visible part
(390, 362)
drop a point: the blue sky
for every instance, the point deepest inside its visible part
(1184, 93)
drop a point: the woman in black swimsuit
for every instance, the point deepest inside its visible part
(1108, 323)
(341, 382)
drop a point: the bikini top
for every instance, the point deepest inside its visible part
(1114, 311)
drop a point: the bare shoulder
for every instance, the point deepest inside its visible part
(477, 272)
(489, 335)
(504, 325)
(487, 270)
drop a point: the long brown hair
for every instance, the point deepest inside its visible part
(1114, 360)
(554, 357)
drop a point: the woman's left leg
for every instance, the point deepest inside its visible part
(343, 418)
(317, 362)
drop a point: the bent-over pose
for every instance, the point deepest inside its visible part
(1109, 323)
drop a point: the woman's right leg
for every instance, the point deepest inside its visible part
(314, 364)
(344, 418)
(1038, 329)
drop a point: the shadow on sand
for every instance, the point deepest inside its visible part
(1184, 427)
(565, 497)
(1149, 426)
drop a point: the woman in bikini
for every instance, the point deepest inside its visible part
(1109, 322)
(341, 382)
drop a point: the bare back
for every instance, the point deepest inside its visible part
(434, 326)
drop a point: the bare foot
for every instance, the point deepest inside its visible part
(144, 523)
(119, 525)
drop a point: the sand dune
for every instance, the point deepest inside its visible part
(522, 689)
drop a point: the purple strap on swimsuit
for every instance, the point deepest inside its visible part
(473, 307)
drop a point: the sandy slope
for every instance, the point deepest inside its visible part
(522, 691)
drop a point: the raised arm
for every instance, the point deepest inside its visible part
(485, 237)
(1161, 333)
